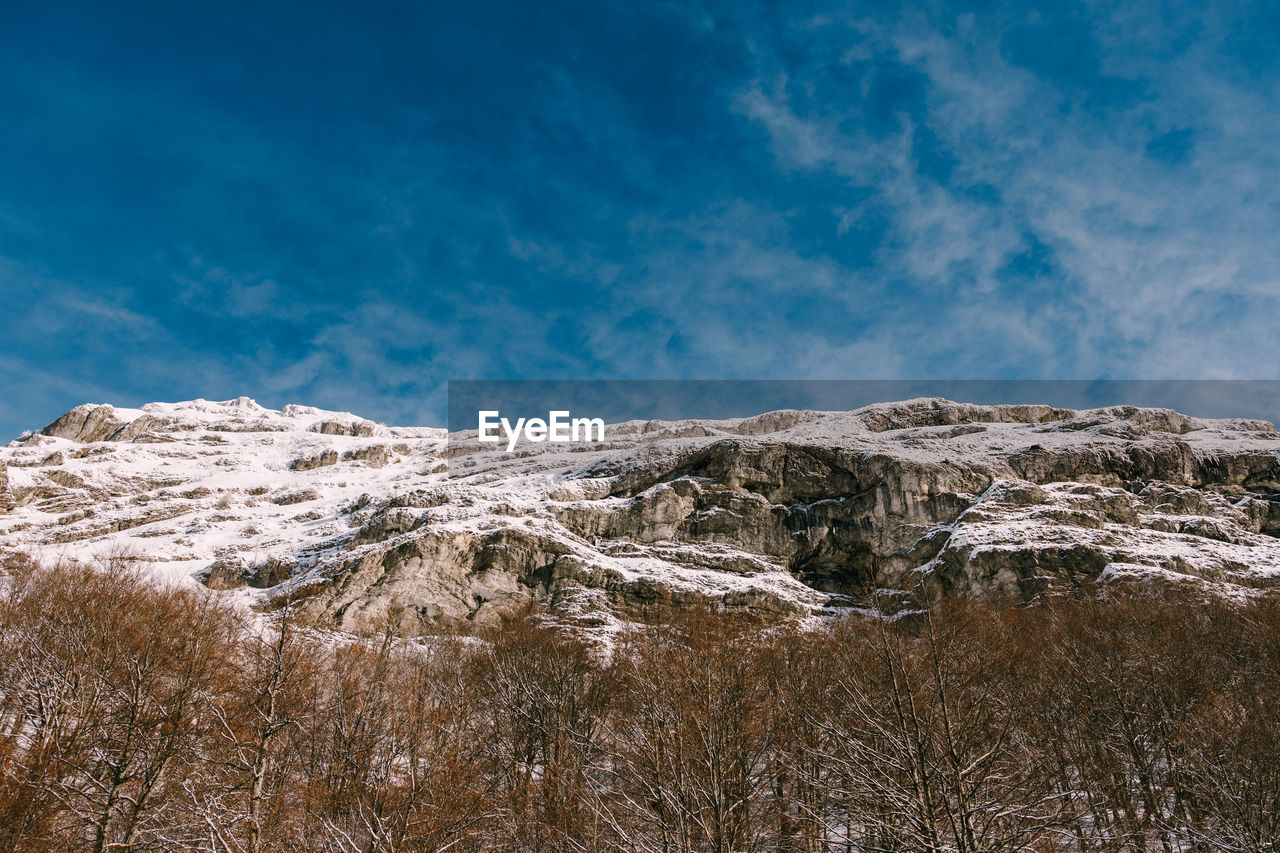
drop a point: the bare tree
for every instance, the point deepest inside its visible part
(690, 736)
(113, 692)
(545, 695)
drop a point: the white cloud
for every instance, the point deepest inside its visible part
(1143, 248)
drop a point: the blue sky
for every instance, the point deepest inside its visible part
(346, 205)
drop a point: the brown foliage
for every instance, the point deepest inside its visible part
(141, 716)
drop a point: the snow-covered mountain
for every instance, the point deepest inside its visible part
(785, 512)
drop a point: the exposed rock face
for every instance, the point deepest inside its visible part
(375, 456)
(362, 429)
(308, 463)
(232, 572)
(86, 423)
(782, 513)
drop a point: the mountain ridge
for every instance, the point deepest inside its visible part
(786, 513)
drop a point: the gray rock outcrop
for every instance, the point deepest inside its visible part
(86, 423)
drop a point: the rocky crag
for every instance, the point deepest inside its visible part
(792, 512)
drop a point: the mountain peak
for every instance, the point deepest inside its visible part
(92, 422)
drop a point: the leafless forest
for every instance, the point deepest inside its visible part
(139, 717)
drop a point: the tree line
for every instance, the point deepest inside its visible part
(139, 716)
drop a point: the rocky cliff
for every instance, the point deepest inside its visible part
(783, 513)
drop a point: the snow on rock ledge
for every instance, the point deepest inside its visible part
(781, 513)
